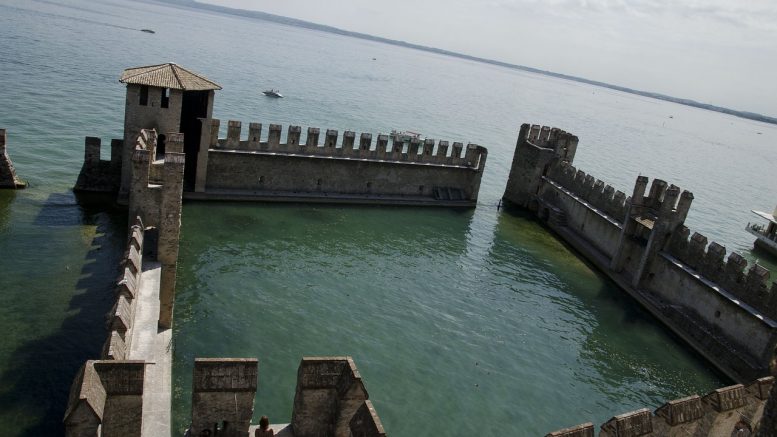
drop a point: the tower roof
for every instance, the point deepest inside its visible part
(168, 75)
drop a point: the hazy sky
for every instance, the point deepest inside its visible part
(722, 52)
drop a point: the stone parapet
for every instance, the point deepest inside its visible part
(334, 147)
(122, 315)
(750, 284)
(725, 411)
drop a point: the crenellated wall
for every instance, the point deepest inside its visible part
(335, 168)
(750, 285)
(106, 400)
(598, 194)
(728, 411)
(330, 400)
(122, 315)
(723, 309)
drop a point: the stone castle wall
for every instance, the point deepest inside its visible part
(728, 411)
(122, 315)
(8, 178)
(726, 313)
(341, 168)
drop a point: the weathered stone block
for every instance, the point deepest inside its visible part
(727, 398)
(683, 410)
(633, 424)
(582, 430)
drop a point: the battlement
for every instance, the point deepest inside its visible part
(331, 397)
(725, 411)
(563, 143)
(122, 315)
(598, 194)
(750, 285)
(106, 399)
(384, 148)
(664, 201)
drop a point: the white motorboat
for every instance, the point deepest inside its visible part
(405, 136)
(766, 234)
(273, 93)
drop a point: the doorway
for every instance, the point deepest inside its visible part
(194, 106)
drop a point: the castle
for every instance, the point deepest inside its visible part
(171, 151)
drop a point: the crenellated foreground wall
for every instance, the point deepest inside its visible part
(341, 169)
(729, 411)
(722, 308)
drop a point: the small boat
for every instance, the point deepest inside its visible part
(405, 136)
(273, 93)
(147, 30)
(766, 235)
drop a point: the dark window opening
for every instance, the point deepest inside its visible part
(369, 184)
(143, 95)
(420, 188)
(165, 97)
(717, 314)
(160, 146)
(318, 182)
(261, 179)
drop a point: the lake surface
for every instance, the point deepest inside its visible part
(459, 321)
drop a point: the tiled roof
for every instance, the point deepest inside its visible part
(168, 75)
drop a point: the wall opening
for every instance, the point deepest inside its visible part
(165, 98)
(160, 146)
(194, 105)
(143, 95)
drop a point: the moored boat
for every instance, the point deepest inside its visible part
(405, 135)
(273, 93)
(766, 234)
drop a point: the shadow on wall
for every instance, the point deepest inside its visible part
(38, 378)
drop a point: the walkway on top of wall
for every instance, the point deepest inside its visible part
(154, 346)
(280, 430)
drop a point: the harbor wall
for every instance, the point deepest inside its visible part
(720, 306)
(727, 411)
(341, 168)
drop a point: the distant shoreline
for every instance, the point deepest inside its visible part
(323, 28)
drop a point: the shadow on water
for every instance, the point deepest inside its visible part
(38, 378)
(6, 199)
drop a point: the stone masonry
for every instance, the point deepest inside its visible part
(736, 410)
(726, 311)
(8, 178)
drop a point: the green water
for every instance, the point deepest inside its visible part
(448, 314)
(460, 321)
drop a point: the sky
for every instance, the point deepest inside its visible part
(722, 52)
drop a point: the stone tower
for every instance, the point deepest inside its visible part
(169, 99)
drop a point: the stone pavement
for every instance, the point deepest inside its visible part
(281, 430)
(154, 346)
